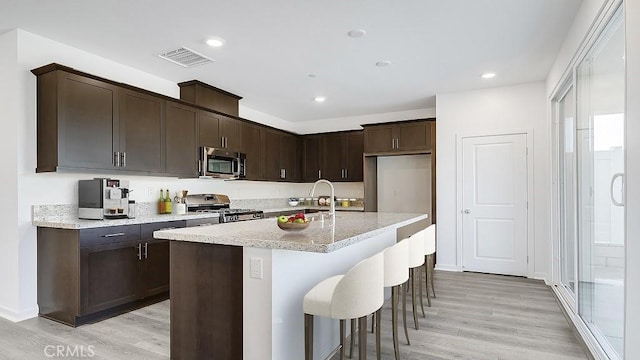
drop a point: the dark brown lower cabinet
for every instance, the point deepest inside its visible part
(89, 274)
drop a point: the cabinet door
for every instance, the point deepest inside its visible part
(271, 150)
(288, 157)
(230, 129)
(252, 147)
(181, 157)
(332, 157)
(141, 131)
(155, 273)
(354, 142)
(154, 277)
(208, 134)
(311, 158)
(109, 276)
(379, 139)
(87, 115)
(414, 136)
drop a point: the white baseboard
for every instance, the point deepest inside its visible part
(16, 316)
(541, 276)
(446, 267)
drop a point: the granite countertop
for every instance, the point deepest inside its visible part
(321, 236)
(67, 221)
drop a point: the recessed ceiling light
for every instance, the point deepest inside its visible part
(319, 99)
(488, 75)
(357, 33)
(383, 63)
(215, 42)
(311, 75)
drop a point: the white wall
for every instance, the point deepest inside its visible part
(21, 51)
(519, 108)
(404, 184)
(632, 181)
(9, 111)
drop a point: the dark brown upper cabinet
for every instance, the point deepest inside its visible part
(409, 137)
(252, 146)
(281, 156)
(210, 97)
(341, 155)
(181, 148)
(311, 169)
(141, 131)
(89, 124)
(77, 122)
(219, 131)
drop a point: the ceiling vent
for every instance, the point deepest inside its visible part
(186, 57)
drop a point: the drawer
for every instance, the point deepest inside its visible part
(109, 235)
(146, 230)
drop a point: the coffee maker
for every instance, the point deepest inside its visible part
(103, 198)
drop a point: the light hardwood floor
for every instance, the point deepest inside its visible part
(475, 316)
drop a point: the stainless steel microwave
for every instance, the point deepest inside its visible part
(222, 163)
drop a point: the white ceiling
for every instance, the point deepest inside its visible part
(272, 46)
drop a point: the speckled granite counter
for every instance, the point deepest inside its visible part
(321, 235)
(66, 217)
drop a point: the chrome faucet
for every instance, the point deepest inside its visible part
(332, 208)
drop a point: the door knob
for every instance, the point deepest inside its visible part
(467, 211)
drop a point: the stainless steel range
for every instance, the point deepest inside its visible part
(218, 203)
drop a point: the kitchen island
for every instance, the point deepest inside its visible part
(237, 288)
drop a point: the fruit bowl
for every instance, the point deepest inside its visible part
(288, 226)
(293, 223)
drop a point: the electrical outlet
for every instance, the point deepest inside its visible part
(255, 268)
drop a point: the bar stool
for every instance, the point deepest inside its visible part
(429, 252)
(356, 294)
(396, 273)
(416, 260)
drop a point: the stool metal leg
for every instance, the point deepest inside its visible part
(378, 315)
(413, 297)
(308, 337)
(419, 271)
(431, 269)
(404, 310)
(353, 337)
(426, 279)
(394, 319)
(342, 334)
(362, 333)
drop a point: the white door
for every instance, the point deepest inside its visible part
(494, 204)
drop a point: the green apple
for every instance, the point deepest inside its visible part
(299, 221)
(282, 219)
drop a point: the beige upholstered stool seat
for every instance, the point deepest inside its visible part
(356, 294)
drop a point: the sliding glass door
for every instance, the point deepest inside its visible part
(590, 163)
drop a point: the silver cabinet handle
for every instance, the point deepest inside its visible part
(167, 228)
(205, 224)
(116, 158)
(139, 254)
(467, 211)
(113, 235)
(319, 174)
(124, 159)
(221, 141)
(613, 179)
(393, 143)
(346, 173)
(146, 247)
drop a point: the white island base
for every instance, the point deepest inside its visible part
(273, 320)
